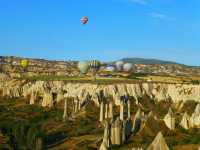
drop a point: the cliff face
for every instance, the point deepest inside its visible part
(46, 92)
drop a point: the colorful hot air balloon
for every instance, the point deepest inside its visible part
(119, 65)
(84, 20)
(24, 63)
(127, 67)
(110, 68)
(94, 65)
(83, 66)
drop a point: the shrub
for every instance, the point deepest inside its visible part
(195, 139)
(195, 82)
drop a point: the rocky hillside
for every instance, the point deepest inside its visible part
(37, 66)
(69, 68)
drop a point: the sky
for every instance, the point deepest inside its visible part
(51, 29)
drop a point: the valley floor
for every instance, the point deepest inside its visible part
(24, 126)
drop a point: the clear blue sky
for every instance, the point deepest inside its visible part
(51, 29)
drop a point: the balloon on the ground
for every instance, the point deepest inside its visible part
(119, 65)
(84, 20)
(24, 63)
(127, 67)
(83, 66)
(110, 68)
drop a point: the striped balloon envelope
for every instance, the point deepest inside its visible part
(95, 64)
(84, 20)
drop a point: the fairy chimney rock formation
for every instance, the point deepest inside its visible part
(169, 119)
(129, 109)
(65, 115)
(137, 121)
(122, 110)
(158, 143)
(32, 98)
(124, 107)
(110, 110)
(195, 118)
(101, 100)
(106, 111)
(116, 132)
(185, 122)
(197, 109)
(101, 118)
(60, 96)
(106, 138)
(47, 100)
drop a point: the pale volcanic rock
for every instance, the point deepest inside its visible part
(4, 77)
(185, 122)
(116, 132)
(197, 109)
(137, 121)
(106, 138)
(169, 120)
(160, 91)
(47, 100)
(60, 96)
(138, 148)
(152, 114)
(195, 118)
(158, 143)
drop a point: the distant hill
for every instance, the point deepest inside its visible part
(149, 61)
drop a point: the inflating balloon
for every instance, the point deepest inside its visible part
(94, 65)
(84, 20)
(119, 65)
(127, 67)
(83, 66)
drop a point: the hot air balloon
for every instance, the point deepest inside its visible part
(83, 66)
(24, 63)
(119, 65)
(84, 20)
(127, 67)
(95, 65)
(110, 68)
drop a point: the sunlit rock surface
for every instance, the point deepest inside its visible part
(38, 89)
(158, 143)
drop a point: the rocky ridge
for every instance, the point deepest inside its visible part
(46, 92)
